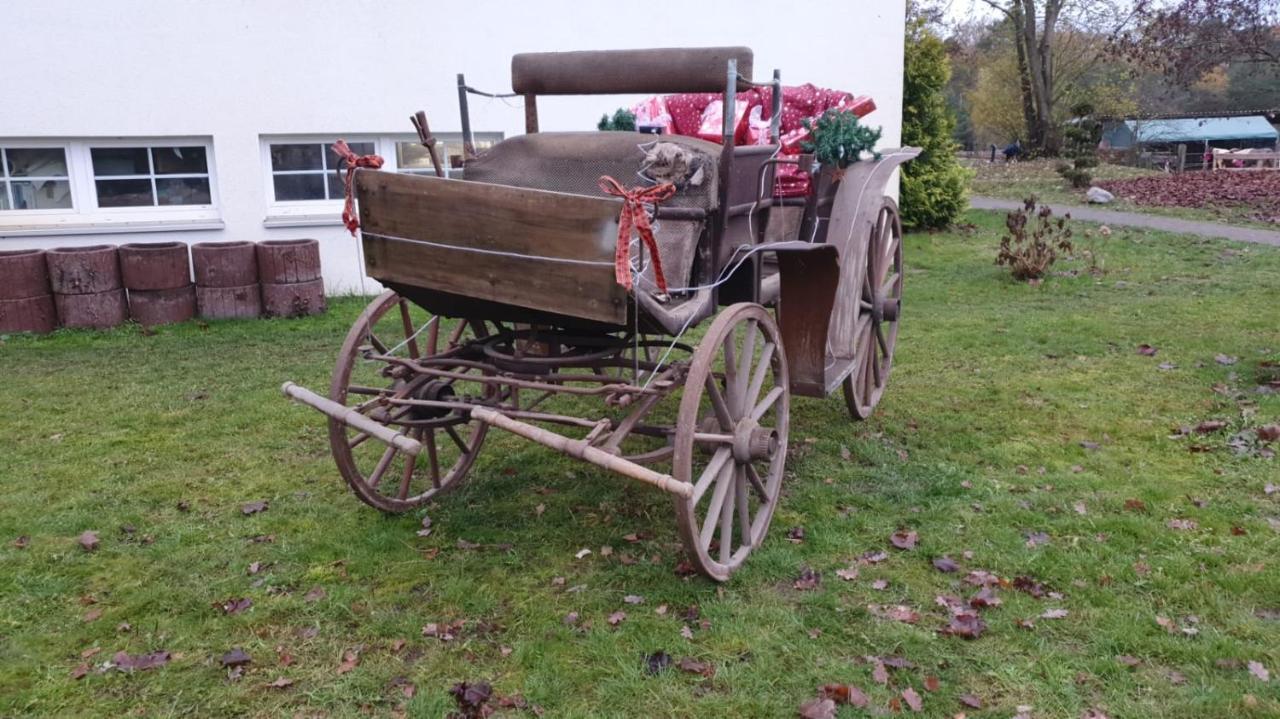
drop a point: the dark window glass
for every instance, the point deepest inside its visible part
(360, 148)
(124, 193)
(36, 162)
(295, 157)
(109, 161)
(180, 160)
(299, 187)
(183, 191)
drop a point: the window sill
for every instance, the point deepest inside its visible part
(317, 220)
(108, 227)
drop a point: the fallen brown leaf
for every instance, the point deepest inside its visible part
(904, 539)
(88, 540)
(819, 708)
(695, 666)
(237, 657)
(350, 660)
(912, 698)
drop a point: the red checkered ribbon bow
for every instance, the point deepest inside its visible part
(354, 161)
(634, 216)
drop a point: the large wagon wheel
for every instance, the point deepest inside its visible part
(382, 476)
(876, 332)
(731, 439)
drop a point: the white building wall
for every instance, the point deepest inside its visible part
(237, 70)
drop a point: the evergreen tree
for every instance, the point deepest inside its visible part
(933, 184)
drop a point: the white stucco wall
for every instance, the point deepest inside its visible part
(239, 69)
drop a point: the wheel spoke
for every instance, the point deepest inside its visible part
(730, 363)
(381, 467)
(713, 469)
(462, 446)
(377, 343)
(726, 519)
(738, 391)
(409, 333)
(756, 483)
(433, 457)
(744, 512)
(767, 403)
(891, 280)
(723, 480)
(718, 404)
(410, 463)
(762, 371)
(880, 340)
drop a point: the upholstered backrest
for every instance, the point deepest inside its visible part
(607, 72)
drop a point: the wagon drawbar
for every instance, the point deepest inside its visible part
(514, 298)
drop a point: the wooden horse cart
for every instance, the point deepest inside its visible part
(506, 307)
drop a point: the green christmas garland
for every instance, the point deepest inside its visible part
(838, 140)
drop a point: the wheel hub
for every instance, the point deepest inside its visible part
(752, 442)
(885, 308)
(435, 391)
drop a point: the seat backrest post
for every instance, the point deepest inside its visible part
(468, 142)
(730, 101)
(530, 113)
(726, 166)
(775, 108)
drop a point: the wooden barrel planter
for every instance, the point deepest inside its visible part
(158, 277)
(26, 304)
(86, 286)
(296, 299)
(283, 262)
(226, 279)
(289, 271)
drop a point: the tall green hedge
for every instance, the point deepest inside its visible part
(933, 184)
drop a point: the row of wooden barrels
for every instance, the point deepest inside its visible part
(102, 286)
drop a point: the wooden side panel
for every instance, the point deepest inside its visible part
(808, 286)
(443, 234)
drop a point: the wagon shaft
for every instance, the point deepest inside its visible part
(583, 450)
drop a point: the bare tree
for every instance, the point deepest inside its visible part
(1036, 27)
(1185, 39)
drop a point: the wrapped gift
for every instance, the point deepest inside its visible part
(653, 113)
(711, 127)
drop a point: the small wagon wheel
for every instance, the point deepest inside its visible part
(364, 378)
(880, 303)
(731, 439)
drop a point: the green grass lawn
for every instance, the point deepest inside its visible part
(1017, 180)
(1022, 434)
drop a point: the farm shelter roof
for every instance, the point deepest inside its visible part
(1199, 129)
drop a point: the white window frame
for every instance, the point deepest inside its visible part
(38, 145)
(308, 213)
(85, 217)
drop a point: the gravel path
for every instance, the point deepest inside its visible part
(1134, 219)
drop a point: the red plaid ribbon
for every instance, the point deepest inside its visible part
(344, 152)
(634, 216)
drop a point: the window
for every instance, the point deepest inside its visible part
(302, 177)
(34, 178)
(309, 171)
(412, 157)
(151, 176)
(94, 185)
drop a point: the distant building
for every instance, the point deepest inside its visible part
(1199, 133)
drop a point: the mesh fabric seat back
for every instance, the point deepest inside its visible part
(574, 162)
